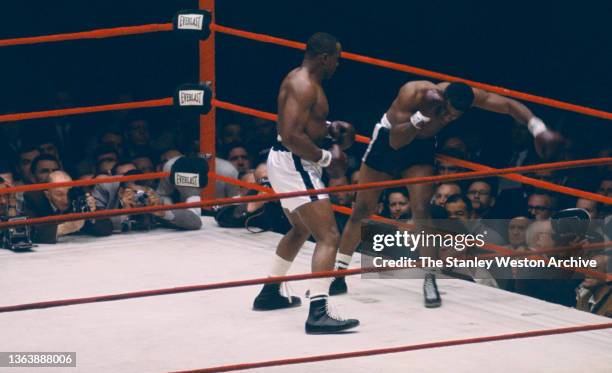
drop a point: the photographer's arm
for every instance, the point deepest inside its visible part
(69, 227)
(97, 227)
(102, 195)
(46, 233)
(188, 219)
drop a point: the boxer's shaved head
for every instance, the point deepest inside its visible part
(459, 95)
(321, 43)
(322, 52)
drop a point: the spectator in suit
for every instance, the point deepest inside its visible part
(25, 155)
(56, 201)
(482, 194)
(111, 196)
(132, 194)
(540, 206)
(595, 295)
(517, 233)
(42, 166)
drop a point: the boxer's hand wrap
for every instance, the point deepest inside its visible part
(536, 126)
(326, 158)
(418, 120)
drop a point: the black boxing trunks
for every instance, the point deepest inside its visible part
(382, 157)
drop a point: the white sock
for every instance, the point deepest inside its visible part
(343, 261)
(319, 288)
(280, 266)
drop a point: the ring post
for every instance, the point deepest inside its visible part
(207, 122)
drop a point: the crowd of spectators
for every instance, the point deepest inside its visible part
(129, 143)
(513, 215)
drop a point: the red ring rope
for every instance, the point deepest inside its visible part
(211, 286)
(392, 350)
(418, 71)
(86, 109)
(92, 34)
(190, 288)
(76, 183)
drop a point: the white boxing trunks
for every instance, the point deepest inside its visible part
(289, 173)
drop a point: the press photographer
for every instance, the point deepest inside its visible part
(255, 216)
(14, 238)
(188, 175)
(62, 200)
(125, 195)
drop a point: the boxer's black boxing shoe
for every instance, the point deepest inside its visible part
(338, 286)
(430, 291)
(270, 298)
(322, 320)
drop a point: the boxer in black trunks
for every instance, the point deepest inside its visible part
(403, 145)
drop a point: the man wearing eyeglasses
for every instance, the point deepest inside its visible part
(482, 196)
(540, 206)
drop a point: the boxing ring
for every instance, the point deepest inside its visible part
(123, 313)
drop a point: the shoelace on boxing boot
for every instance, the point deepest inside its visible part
(332, 312)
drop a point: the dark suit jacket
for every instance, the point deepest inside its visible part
(37, 205)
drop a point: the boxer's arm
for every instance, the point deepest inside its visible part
(548, 144)
(401, 114)
(293, 120)
(503, 105)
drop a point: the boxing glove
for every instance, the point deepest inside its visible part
(334, 161)
(548, 144)
(343, 133)
(430, 106)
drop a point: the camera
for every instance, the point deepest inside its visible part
(78, 200)
(16, 238)
(264, 182)
(140, 198)
(570, 225)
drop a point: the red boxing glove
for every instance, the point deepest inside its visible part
(343, 133)
(339, 163)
